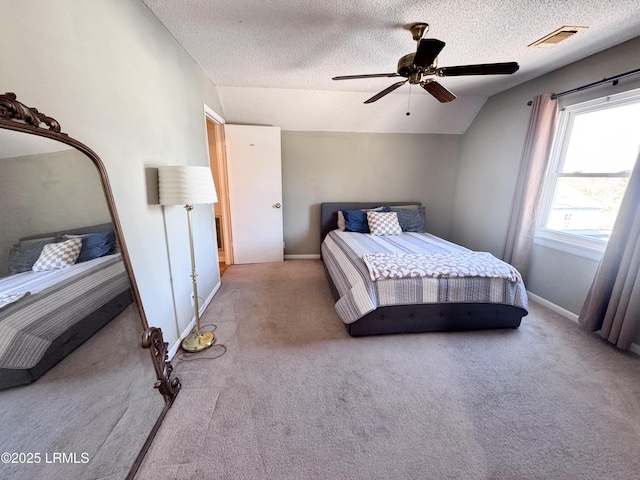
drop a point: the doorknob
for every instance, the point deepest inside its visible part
(277, 205)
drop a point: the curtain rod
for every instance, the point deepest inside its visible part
(613, 79)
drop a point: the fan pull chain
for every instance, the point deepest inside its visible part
(409, 102)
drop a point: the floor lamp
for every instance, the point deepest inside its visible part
(188, 186)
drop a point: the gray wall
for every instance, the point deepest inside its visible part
(47, 193)
(490, 160)
(116, 80)
(328, 167)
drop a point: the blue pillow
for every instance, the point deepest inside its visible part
(411, 220)
(355, 221)
(96, 245)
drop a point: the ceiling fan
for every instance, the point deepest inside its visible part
(416, 66)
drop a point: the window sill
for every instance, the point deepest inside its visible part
(585, 251)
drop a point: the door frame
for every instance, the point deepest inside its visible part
(220, 156)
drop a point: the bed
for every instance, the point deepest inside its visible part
(418, 303)
(46, 314)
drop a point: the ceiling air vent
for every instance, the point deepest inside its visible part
(557, 36)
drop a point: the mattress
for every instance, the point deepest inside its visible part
(343, 254)
(53, 302)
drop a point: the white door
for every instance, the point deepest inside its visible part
(254, 168)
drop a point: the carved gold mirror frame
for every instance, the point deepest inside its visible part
(18, 117)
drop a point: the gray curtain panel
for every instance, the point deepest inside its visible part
(522, 225)
(613, 302)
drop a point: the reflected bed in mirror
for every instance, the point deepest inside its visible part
(63, 277)
(74, 378)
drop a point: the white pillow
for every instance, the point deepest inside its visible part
(383, 223)
(58, 255)
(341, 223)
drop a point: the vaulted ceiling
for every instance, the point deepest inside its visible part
(273, 61)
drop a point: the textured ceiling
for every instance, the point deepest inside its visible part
(273, 60)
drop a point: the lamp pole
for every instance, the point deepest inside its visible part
(197, 340)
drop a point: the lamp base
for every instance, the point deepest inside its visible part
(196, 342)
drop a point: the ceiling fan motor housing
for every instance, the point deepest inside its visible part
(406, 66)
(407, 69)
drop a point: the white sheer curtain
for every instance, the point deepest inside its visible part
(613, 302)
(542, 127)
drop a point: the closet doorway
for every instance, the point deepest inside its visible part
(218, 164)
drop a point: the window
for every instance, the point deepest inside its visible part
(595, 148)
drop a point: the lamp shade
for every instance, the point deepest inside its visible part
(186, 185)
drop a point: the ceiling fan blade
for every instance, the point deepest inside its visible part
(442, 94)
(372, 75)
(506, 68)
(428, 50)
(385, 91)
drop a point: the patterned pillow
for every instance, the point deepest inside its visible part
(23, 255)
(58, 255)
(383, 223)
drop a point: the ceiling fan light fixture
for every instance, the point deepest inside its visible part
(557, 36)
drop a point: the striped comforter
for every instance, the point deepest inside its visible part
(343, 254)
(57, 300)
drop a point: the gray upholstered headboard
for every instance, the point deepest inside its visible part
(329, 212)
(103, 227)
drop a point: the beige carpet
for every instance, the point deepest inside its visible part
(295, 397)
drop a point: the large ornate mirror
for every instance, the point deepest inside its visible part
(77, 397)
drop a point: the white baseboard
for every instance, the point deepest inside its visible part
(310, 256)
(174, 349)
(552, 306)
(635, 348)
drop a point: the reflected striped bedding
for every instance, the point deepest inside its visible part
(57, 300)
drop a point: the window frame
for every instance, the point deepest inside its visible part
(576, 244)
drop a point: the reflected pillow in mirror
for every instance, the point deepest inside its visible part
(95, 245)
(24, 254)
(58, 255)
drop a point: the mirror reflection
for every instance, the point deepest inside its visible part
(75, 385)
